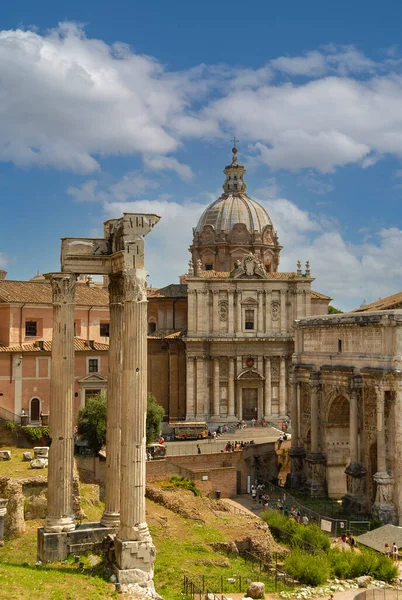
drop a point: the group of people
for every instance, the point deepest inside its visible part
(394, 552)
(351, 539)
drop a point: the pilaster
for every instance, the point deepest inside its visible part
(267, 389)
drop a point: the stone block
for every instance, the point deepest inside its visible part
(135, 554)
(27, 456)
(139, 576)
(256, 589)
(363, 581)
(41, 451)
(39, 463)
(52, 547)
(5, 455)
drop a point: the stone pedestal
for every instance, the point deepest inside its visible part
(296, 478)
(3, 512)
(384, 508)
(135, 560)
(316, 485)
(355, 500)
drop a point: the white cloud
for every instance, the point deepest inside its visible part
(312, 64)
(314, 184)
(160, 163)
(131, 185)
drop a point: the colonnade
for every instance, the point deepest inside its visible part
(126, 400)
(203, 400)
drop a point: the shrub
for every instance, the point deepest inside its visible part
(386, 570)
(11, 427)
(182, 482)
(348, 565)
(35, 434)
(155, 414)
(308, 569)
(311, 534)
(92, 422)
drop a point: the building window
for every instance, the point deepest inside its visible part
(104, 329)
(89, 394)
(151, 327)
(31, 328)
(339, 345)
(208, 267)
(249, 319)
(93, 365)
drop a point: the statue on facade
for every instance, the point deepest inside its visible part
(249, 267)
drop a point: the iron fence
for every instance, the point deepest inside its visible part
(332, 526)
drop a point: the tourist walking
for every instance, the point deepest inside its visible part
(395, 552)
(387, 550)
(352, 541)
(198, 449)
(344, 539)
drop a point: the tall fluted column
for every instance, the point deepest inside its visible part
(260, 315)
(134, 406)
(296, 478)
(111, 514)
(381, 459)
(355, 499)
(60, 513)
(216, 390)
(190, 376)
(268, 389)
(294, 417)
(315, 485)
(231, 390)
(283, 312)
(230, 312)
(353, 426)
(282, 387)
(192, 312)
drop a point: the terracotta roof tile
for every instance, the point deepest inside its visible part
(394, 301)
(319, 296)
(79, 346)
(40, 292)
(174, 290)
(166, 334)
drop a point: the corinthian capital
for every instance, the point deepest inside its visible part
(63, 287)
(135, 285)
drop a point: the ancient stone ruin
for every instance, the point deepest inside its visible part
(120, 256)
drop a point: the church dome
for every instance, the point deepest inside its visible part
(233, 225)
(228, 210)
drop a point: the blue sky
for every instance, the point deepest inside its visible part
(110, 107)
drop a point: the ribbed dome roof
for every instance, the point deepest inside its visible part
(230, 209)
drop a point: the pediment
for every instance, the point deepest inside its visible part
(93, 378)
(250, 374)
(250, 300)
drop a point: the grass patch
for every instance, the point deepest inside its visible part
(183, 483)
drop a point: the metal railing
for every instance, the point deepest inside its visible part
(8, 415)
(330, 525)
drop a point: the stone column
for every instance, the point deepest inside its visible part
(192, 312)
(282, 388)
(111, 514)
(202, 411)
(296, 478)
(60, 513)
(215, 311)
(268, 323)
(3, 512)
(398, 447)
(355, 499)
(383, 508)
(231, 390)
(315, 485)
(238, 312)
(283, 312)
(216, 391)
(268, 389)
(135, 552)
(260, 313)
(230, 312)
(239, 403)
(190, 376)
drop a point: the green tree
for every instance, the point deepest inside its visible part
(92, 422)
(334, 311)
(155, 414)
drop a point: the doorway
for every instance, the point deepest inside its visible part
(35, 409)
(250, 403)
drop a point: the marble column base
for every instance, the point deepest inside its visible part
(110, 519)
(135, 561)
(296, 478)
(55, 525)
(355, 499)
(316, 484)
(384, 509)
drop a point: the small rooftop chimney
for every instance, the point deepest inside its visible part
(3, 274)
(41, 344)
(92, 344)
